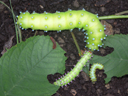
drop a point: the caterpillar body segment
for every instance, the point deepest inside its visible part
(66, 21)
(75, 71)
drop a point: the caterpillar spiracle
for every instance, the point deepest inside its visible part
(75, 71)
(66, 21)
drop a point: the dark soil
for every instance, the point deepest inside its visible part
(81, 86)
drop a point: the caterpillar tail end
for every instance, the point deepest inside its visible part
(55, 83)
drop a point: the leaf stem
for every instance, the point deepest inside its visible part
(75, 41)
(123, 12)
(14, 18)
(113, 17)
(16, 26)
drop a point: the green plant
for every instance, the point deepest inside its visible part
(115, 63)
(24, 67)
(18, 32)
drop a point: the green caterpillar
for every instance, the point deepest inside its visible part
(75, 71)
(66, 21)
(93, 70)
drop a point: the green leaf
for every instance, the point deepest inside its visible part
(116, 63)
(24, 68)
(86, 69)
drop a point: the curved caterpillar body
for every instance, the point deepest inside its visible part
(66, 20)
(93, 70)
(75, 71)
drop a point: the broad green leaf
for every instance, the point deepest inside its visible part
(86, 69)
(24, 68)
(116, 63)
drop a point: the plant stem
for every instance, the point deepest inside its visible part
(5, 5)
(123, 12)
(77, 46)
(14, 18)
(113, 17)
(16, 26)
